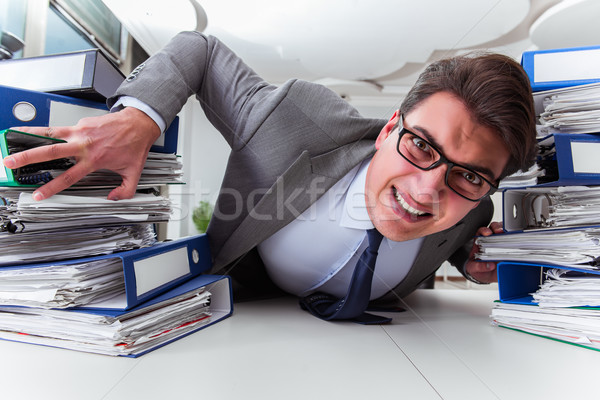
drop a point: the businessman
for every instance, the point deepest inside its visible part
(308, 175)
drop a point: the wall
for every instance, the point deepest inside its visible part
(204, 154)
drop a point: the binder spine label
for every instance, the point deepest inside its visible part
(160, 269)
(585, 157)
(566, 65)
(66, 114)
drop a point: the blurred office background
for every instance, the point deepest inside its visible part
(368, 51)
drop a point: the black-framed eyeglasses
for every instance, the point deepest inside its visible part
(462, 180)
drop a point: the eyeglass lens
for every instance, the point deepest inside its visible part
(423, 155)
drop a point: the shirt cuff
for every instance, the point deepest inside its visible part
(472, 279)
(128, 101)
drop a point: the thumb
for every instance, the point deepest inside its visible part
(124, 191)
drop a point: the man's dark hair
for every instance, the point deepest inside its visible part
(495, 90)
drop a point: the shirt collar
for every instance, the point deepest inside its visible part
(354, 213)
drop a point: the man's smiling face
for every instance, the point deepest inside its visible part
(405, 202)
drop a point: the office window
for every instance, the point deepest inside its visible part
(61, 36)
(96, 19)
(84, 24)
(70, 25)
(12, 19)
(58, 26)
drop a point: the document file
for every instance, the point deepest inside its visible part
(187, 308)
(12, 142)
(549, 269)
(574, 109)
(568, 247)
(61, 285)
(550, 207)
(570, 159)
(159, 168)
(20, 107)
(556, 302)
(118, 281)
(556, 68)
(87, 241)
(87, 74)
(78, 208)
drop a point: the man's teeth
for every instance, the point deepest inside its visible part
(407, 207)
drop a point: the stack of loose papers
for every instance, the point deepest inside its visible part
(570, 110)
(78, 209)
(566, 310)
(19, 248)
(574, 325)
(567, 247)
(563, 206)
(110, 333)
(78, 224)
(62, 286)
(566, 288)
(159, 169)
(573, 206)
(523, 178)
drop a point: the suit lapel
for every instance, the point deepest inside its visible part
(435, 250)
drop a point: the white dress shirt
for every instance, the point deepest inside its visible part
(319, 250)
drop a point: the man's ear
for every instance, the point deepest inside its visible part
(386, 130)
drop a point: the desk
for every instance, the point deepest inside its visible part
(443, 347)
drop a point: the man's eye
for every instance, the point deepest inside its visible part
(421, 144)
(472, 178)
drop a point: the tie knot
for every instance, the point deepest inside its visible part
(375, 238)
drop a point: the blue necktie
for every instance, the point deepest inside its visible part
(353, 305)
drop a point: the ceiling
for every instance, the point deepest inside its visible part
(363, 49)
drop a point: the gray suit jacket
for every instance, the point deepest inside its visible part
(289, 145)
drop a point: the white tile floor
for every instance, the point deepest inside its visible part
(461, 283)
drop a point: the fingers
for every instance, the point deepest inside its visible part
(126, 190)
(53, 132)
(41, 154)
(483, 271)
(61, 182)
(48, 153)
(494, 228)
(481, 266)
(117, 142)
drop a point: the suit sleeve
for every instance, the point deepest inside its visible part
(195, 64)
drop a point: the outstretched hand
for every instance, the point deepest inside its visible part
(484, 272)
(118, 141)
